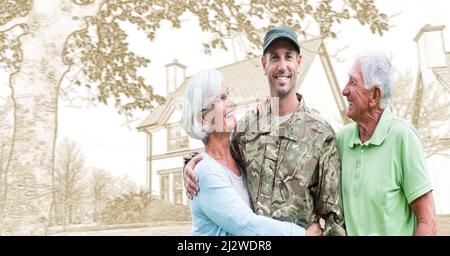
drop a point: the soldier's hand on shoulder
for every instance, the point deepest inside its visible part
(189, 175)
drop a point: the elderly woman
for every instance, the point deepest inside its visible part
(223, 206)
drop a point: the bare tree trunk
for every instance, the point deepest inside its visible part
(65, 215)
(29, 178)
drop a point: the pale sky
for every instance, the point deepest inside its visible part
(122, 151)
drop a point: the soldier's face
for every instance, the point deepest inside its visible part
(281, 64)
(220, 116)
(358, 96)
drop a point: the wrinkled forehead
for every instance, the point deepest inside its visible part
(355, 69)
(224, 90)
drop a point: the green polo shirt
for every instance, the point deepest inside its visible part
(381, 177)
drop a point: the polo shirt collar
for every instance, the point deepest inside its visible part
(380, 134)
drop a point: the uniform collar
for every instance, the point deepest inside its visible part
(291, 131)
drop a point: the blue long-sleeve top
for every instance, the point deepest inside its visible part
(218, 210)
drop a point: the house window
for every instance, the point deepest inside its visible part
(176, 138)
(178, 188)
(164, 191)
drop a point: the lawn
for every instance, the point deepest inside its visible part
(180, 229)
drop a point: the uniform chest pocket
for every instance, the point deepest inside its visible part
(298, 160)
(292, 183)
(253, 156)
(253, 152)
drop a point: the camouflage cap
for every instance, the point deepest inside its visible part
(281, 31)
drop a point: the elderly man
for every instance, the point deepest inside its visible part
(288, 152)
(386, 189)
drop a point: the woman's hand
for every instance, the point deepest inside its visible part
(314, 230)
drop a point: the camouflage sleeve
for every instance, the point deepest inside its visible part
(234, 147)
(329, 197)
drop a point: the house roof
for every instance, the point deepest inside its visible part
(246, 79)
(428, 28)
(443, 73)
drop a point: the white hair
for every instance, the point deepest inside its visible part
(376, 69)
(201, 90)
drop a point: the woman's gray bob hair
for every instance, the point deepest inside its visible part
(201, 91)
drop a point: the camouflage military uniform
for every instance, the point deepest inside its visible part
(293, 172)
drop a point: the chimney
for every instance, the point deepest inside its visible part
(175, 75)
(431, 52)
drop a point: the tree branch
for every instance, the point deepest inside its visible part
(90, 8)
(12, 24)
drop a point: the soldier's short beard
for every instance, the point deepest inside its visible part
(277, 93)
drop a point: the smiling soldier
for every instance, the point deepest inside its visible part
(287, 151)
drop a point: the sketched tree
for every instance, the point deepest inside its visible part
(124, 185)
(430, 116)
(5, 143)
(70, 186)
(105, 186)
(101, 184)
(46, 42)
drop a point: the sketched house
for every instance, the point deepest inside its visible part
(166, 141)
(434, 70)
(434, 62)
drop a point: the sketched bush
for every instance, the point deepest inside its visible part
(141, 207)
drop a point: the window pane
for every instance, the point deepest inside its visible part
(176, 138)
